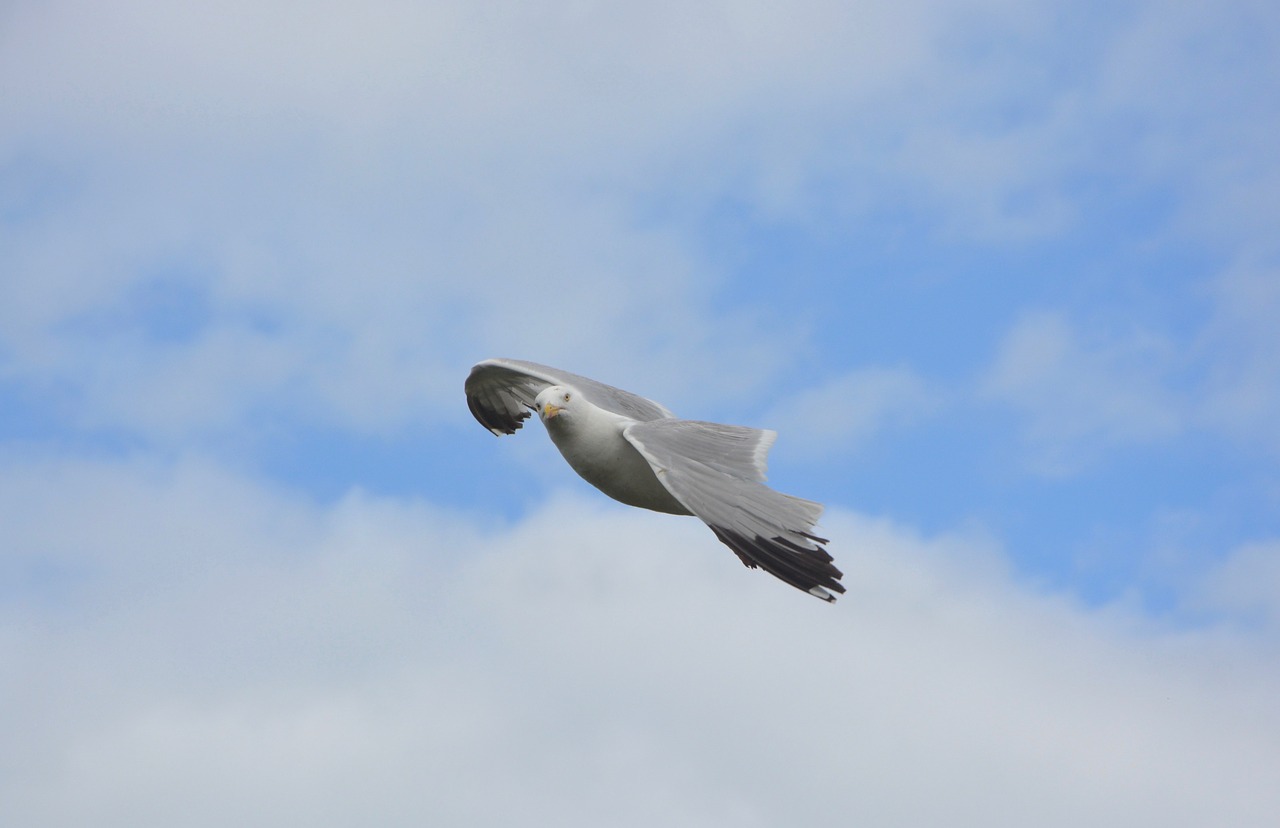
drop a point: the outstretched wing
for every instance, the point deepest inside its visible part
(717, 472)
(500, 394)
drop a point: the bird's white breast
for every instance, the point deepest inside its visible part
(592, 443)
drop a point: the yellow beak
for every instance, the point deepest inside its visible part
(549, 411)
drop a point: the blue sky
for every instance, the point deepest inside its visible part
(1004, 276)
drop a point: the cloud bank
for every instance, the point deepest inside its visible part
(216, 650)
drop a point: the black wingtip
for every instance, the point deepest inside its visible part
(808, 570)
(495, 425)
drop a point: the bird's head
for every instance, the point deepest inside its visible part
(556, 401)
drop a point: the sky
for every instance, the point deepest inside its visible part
(1004, 276)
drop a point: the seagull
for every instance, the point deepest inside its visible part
(639, 453)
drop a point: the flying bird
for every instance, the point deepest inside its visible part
(639, 453)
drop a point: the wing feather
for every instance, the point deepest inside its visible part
(717, 471)
(500, 394)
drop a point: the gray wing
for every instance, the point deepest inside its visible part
(717, 472)
(500, 394)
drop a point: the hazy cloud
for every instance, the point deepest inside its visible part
(1246, 586)
(1241, 348)
(843, 414)
(1078, 392)
(368, 198)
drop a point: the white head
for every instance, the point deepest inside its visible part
(556, 401)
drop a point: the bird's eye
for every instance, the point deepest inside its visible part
(566, 397)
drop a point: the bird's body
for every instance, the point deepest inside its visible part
(639, 453)
(592, 442)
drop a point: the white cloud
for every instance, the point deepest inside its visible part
(593, 79)
(1080, 394)
(208, 650)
